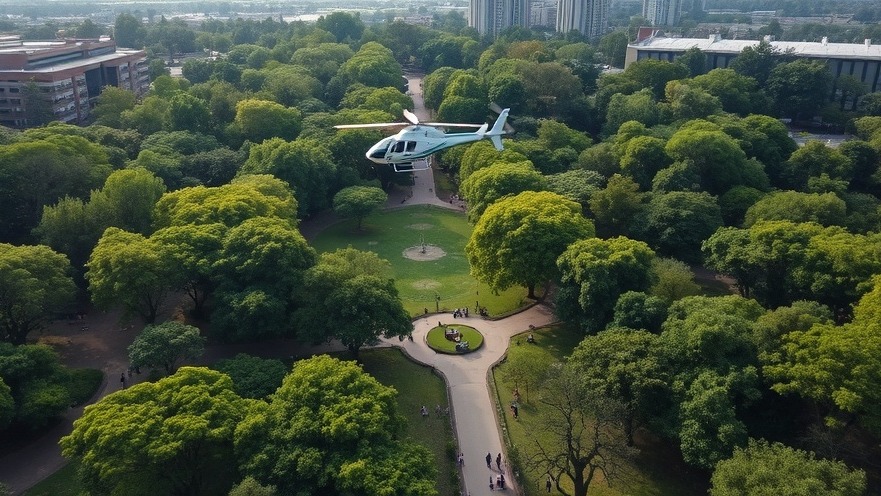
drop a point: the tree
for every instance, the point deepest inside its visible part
(518, 239)
(192, 250)
(173, 436)
(250, 487)
(258, 273)
(615, 206)
(305, 164)
(695, 60)
(358, 202)
(35, 282)
(673, 280)
(738, 94)
(799, 88)
(165, 344)
(128, 269)
(260, 120)
(188, 113)
(253, 377)
(485, 186)
(639, 106)
(128, 31)
(757, 61)
(127, 199)
(581, 434)
(638, 310)
(347, 28)
(595, 272)
(773, 468)
(33, 386)
(655, 74)
(720, 161)
(329, 429)
(826, 209)
(677, 223)
(525, 369)
(643, 157)
(688, 102)
(812, 160)
(624, 366)
(110, 105)
(613, 47)
(577, 185)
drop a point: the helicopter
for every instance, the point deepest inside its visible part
(418, 140)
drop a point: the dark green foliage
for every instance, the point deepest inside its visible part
(253, 377)
(637, 310)
(37, 384)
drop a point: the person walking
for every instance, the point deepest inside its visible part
(122, 380)
(548, 484)
(489, 460)
(499, 461)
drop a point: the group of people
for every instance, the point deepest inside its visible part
(460, 312)
(499, 480)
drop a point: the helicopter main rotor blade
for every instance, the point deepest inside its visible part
(410, 116)
(450, 124)
(373, 125)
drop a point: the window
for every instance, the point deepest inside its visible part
(399, 147)
(411, 145)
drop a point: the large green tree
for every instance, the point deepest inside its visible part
(499, 180)
(33, 386)
(35, 283)
(358, 202)
(675, 224)
(173, 436)
(518, 239)
(164, 345)
(773, 468)
(595, 272)
(332, 429)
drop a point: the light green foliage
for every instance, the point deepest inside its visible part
(738, 94)
(188, 113)
(33, 385)
(34, 283)
(70, 227)
(811, 160)
(555, 135)
(110, 105)
(304, 164)
(462, 109)
(655, 74)
(720, 161)
(147, 118)
(192, 250)
(170, 436)
(483, 154)
(129, 270)
(497, 181)
(763, 468)
(800, 316)
(624, 366)
(434, 85)
(640, 106)
(127, 199)
(643, 157)
(253, 377)
(602, 158)
(250, 487)
(615, 206)
(673, 280)
(358, 202)
(577, 184)
(675, 224)
(688, 102)
(163, 164)
(595, 272)
(518, 239)
(826, 209)
(164, 345)
(260, 120)
(332, 428)
(246, 197)
(323, 60)
(290, 84)
(834, 365)
(389, 100)
(372, 65)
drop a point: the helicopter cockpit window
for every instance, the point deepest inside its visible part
(399, 147)
(381, 148)
(411, 145)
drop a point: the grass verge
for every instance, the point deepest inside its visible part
(424, 286)
(418, 385)
(83, 384)
(656, 471)
(64, 482)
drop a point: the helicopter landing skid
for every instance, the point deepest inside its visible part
(419, 165)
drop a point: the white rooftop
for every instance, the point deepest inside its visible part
(802, 48)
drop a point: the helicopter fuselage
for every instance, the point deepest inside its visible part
(416, 142)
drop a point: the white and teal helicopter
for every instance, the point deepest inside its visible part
(408, 150)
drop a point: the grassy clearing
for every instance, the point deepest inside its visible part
(654, 472)
(83, 384)
(389, 233)
(418, 386)
(438, 341)
(64, 482)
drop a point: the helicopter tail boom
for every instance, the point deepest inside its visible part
(498, 130)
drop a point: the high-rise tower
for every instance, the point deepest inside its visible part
(662, 12)
(588, 17)
(493, 16)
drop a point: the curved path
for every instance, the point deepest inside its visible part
(104, 345)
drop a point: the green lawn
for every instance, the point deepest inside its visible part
(418, 386)
(656, 471)
(390, 232)
(437, 339)
(64, 482)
